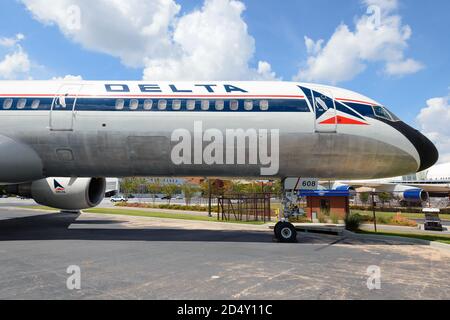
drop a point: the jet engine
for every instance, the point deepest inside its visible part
(410, 194)
(343, 187)
(63, 193)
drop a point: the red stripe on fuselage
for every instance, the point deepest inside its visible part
(343, 120)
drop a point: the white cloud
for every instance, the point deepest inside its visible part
(211, 42)
(11, 42)
(385, 5)
(405, 67)
(434, 122)
(68, 77)
(16, 63)
(128, 29)
(347, 53)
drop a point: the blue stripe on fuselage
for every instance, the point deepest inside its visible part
(109, 104)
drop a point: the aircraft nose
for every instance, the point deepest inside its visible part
(428, 153)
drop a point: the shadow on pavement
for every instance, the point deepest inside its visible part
(55, 226)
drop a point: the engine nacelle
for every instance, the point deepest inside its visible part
(410, 194)
(343, 187)
(65, 193)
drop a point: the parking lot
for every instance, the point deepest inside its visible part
(148, 258)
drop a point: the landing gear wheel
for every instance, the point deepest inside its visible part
(285, 232)
(277, 228)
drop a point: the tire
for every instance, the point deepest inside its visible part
(285, 232)
(277, 228)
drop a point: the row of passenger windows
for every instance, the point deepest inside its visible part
(21, 104)
(205, 105)
(176, 105)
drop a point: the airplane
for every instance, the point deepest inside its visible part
(59, 139)
(415, 188)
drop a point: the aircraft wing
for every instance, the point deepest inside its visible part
(430, 187)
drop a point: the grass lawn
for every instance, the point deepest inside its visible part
(177, 216)
(143, 213)
(392, 214)
(438, 238)
(39, 208)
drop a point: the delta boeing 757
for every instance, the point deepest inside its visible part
(85, 131)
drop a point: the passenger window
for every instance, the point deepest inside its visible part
(191, 105)
(35, 104)
(7, 104)
(234, 105)
(134, 104)
(264, 105)
(120, 104)
(220, 104)
(21, 104)
(248, 105)
(162, 104)
(148, 104)
(205, 105)
(176, 105)
(381, 112)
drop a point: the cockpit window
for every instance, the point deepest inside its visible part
(381, 112)
(393, 116)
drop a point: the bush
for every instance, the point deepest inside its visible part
(399, 220)
(300, 219)
(383, 220)
(322, 218)
(335, 218)
(353, 222)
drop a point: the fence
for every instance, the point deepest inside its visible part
(245, 207)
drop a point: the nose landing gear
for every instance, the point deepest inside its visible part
(285, 231)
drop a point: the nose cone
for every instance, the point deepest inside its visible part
(429, 155)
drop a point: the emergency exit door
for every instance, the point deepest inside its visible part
(62, 113)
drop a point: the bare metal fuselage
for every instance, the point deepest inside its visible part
(139, 144)
(75, 142)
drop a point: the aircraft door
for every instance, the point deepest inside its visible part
(325, 110)
(63, 108)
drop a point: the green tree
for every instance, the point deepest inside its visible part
(364, 197)
(154, 188)
(189, 191)
(128, 186)
(141, 185)
(216, 187)
(169, 190)
(277, 188)
(236, 187)
(384, 197)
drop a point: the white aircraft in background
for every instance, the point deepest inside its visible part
(434, 182)
(59, 140)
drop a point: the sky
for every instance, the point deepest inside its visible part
(394, 51)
